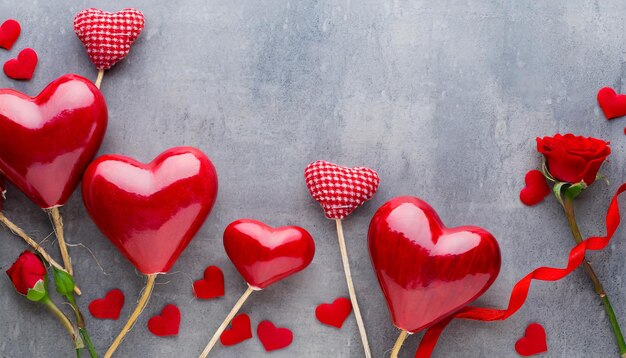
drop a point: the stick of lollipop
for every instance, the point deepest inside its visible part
(340, 190)
(263, 255)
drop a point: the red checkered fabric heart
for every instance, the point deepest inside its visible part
(338, 189)
(108, 36)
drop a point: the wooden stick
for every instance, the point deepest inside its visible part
(141, 304)
(399, 342)
(224, 324)
(355, 304)
(35, 245)
(58, 231)
(99, 78)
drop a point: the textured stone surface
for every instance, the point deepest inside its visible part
(444, 99)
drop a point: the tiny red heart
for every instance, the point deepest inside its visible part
(211, 285)
(334, 314)
(167, 323)
(536, 188)
(273, 338)
(108, 307)
(613, 105)
(533, 342)
(240, 331)
(9, 32)
(22, 67)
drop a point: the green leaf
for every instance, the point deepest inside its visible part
(38, 292)
(64, 283)
(572, 191)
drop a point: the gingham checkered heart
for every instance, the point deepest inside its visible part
(338, 189)
(108, 36)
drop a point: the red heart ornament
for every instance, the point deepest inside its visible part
(150, 212)
(46, 142)
(22, 67)
(613, 105)
(211, 285)
(240, 331)
(536, 188)
(167, 323)
(108, 307)
(338, 189)
(108, 36)
(9, 32)
(533, 342)
(264, 255)
(426, 270)
(273, 338)
(334, 314)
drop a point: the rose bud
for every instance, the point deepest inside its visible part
(573, 159)
(28, 275)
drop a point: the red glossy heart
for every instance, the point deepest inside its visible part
(9, 32)
(334, 314)
(536, 188)
(167, 323)
(22, 67)
(427, 271)
(273, 338)
(613, 105)
(150, 212)
(533, 342)
(264, 255)
(108, 307)
(211, 285)
(46, 142)
(240, 331)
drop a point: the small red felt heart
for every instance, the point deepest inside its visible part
(273, 338)
(334, 314)
(211, 286)
(536, 188)
(167, 323)
(533, 342)
(108, 307)
(338, 189)
(240, 331)
(9, 32)
(22, 67)
(613, 105)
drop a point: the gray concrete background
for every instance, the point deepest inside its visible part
(444, 99)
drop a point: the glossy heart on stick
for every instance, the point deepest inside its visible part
(426, 270)
(264, 255)
(150, 212)
(46, 142)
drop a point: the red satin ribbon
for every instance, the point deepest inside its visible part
(521, 288)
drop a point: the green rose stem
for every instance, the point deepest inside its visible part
(568, 206)
(78, 343)
(82, 328)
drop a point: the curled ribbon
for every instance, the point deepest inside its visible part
(521, 288)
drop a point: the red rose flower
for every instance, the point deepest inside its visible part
(26, 272)
(573, 159)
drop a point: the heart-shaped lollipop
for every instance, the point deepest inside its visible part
(428, 271)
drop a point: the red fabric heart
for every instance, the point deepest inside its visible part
(273, 338)
(22, 67)
(334, 314)
(536, 188)
(211, 285)
(613, 105)
(9, 32)
(264, 255)
(240, 331)
(428, 271)
(46, 142)
(108, 36)
(108, 307)
(151, 212)
(533, 342)
(167, 323)
(340, 190)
